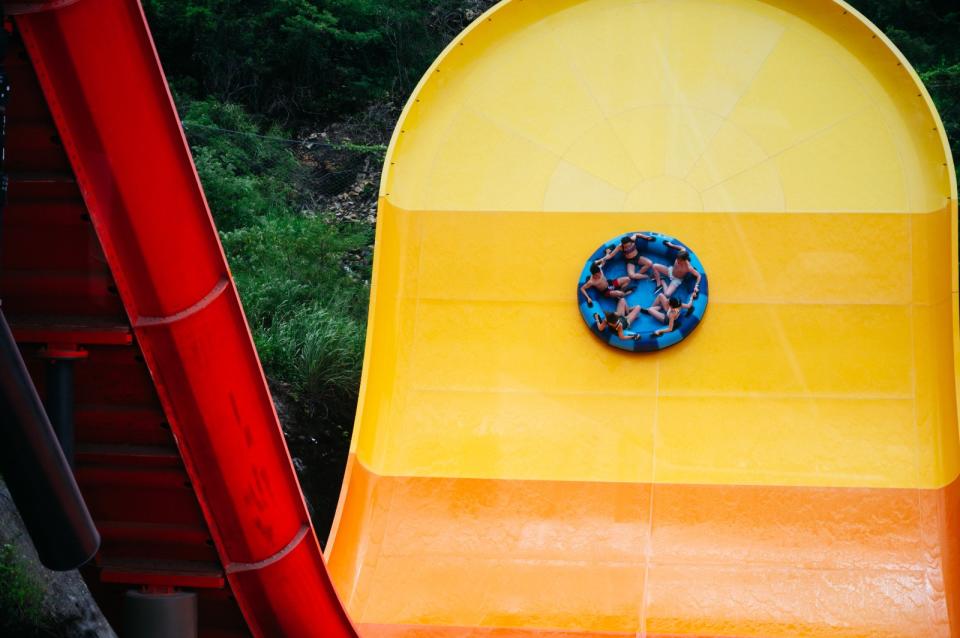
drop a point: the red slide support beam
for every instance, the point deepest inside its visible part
(101, 77)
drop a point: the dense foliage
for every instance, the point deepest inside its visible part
(252, 75)
(926, 32)
(246, 175)
(319, 59)
(305, 302)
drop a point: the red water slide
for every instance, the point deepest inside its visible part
(93, 136)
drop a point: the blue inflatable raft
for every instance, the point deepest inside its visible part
(640, 335)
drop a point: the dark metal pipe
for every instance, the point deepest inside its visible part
(36, 471)
(60, 403)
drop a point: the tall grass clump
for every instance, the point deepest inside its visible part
(21, 598)
(320, 347)
(303, 281)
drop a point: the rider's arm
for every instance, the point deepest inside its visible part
(620, 331)
(609, 255)
(669, 327)
(583, 289)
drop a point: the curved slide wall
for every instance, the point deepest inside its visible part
(791, 468)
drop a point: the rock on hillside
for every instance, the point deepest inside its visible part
(67, 602)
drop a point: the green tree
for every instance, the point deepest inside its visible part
(926, 31)
(297, 59)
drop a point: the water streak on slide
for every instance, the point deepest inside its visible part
(788, 470)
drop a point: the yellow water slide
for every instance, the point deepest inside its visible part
(790, 469)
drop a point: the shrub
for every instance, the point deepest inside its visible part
(247, 174)
(304, 286)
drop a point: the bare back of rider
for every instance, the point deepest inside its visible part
(616, 288)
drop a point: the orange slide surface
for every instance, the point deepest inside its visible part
(790, 469)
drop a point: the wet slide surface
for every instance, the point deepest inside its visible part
(791, 468)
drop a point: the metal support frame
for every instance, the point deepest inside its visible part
(159, 613)
(59, 403)
(33, 465)
(36, 471)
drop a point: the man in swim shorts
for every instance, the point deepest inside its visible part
(637, 264)
(616, 289)
(675, 274)
(619, 320)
